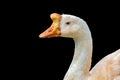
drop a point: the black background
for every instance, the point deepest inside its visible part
(50, 58)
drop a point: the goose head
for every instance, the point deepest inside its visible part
(65, 26)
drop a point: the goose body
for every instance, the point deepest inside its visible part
(74, 27)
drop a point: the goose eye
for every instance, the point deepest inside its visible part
(67, 23)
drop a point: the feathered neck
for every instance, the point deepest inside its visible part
(81, 62)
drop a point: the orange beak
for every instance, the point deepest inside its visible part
(54, 29)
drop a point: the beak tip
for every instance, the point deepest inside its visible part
(40, 36)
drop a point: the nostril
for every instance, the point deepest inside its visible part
(50, 30)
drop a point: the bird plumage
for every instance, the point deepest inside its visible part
(74, 27)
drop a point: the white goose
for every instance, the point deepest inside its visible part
(74, 27)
